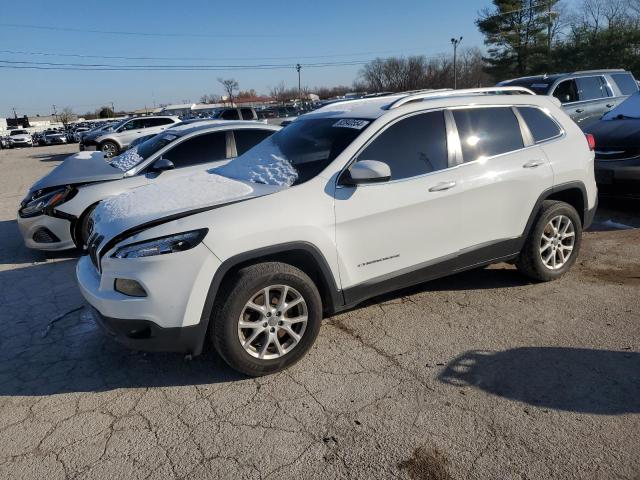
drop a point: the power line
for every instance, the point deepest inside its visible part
(140, 34)
(290, 57)
(11, 64)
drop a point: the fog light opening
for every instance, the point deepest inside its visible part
(130, 288)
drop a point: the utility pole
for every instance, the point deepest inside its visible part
(298, 68)
(113, 110)
(15, 115)
(549, 25)
(55, 113)
(455, 42)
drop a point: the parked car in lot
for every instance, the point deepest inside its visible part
(617, 137)
(585, 96)
(20, 138)
(232, 113)
(54, 137)
(115, 140)
(347, 202)
(77, 133)
(55, 213)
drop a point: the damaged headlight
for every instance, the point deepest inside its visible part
(42, 200)
(162, 245)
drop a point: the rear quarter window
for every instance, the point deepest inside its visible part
(626, 83)
(541, 125)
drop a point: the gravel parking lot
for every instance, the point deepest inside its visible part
(481, 375)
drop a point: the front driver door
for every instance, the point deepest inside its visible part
(395, 230)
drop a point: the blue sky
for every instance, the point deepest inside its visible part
(238, 33)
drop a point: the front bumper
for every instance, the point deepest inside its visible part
(618, 176)
(45, 232)
(15, 144)
(147, 336)
(169, 317)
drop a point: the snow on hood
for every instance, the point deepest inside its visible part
(629, 108)
(264, 163)
(127, 160)
(164, 198)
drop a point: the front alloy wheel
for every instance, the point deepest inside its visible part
(272, 322)
(109, 149)
(266, 318)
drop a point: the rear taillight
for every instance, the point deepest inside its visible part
(591, 140)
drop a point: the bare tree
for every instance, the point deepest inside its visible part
(279, 93)
(210, 98)
(66, 116)
(230, 85)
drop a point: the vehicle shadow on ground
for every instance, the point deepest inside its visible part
(499, 275)
(601, 382)
(52, 157)
(75, 356)
(13, 250)
(616, 213)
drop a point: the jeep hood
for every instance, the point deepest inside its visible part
(82, 167)
(173, 198)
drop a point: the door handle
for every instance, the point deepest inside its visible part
(532, 164)
(442, 186)
(610, 105)
(579, 110)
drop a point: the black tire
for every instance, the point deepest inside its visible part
(234, 295)
(530, 261)
(109, 148)
(82, 229)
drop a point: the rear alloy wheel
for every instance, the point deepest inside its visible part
(268, 317)
(553, 242)
(110, 149)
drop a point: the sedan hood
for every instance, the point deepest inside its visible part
(616, 133)
(177, 197)
(83, 167)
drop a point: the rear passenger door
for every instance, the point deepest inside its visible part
(502, 175)
(595, 98)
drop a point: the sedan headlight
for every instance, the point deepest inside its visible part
(41, 201)
(162, 245)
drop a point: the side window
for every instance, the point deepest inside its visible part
(626, 83)
(231, 114)
(133, 125)
(566, 91)
(157, 122)
(540, 124)
(247, 139)
(247, 114)
(591, 88)
(209, 147)
(413, 146)
(485, 132)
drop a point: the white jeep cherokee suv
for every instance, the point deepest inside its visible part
(348, 202)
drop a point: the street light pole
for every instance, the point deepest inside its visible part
(455, 42)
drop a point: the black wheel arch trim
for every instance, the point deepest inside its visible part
(336, 298)
(587, 215)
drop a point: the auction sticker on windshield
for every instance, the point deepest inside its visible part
(351, 123)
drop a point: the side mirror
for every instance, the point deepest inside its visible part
(162, 164)
(367, 171)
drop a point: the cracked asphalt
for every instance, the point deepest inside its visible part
(482, 375)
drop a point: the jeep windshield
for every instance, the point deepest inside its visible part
(136, 155)
(296, 153)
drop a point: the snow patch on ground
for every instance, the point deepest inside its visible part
(167, 197)
(127, 160)
(264, 163)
